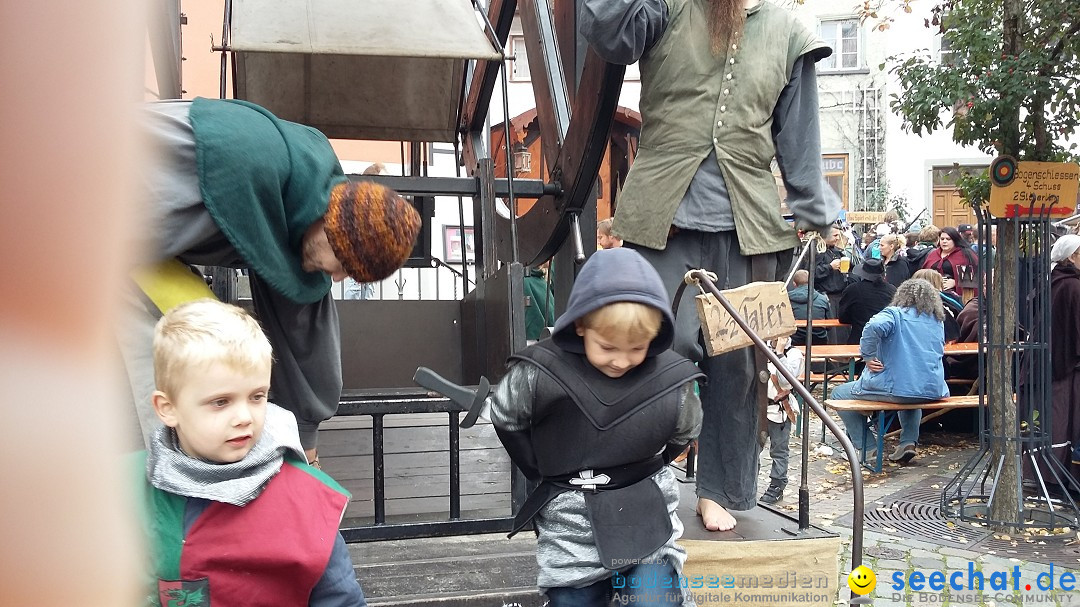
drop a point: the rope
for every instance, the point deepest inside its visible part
(690, 279)
(811, 237)
(818, 239)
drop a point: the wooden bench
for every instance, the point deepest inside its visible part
(818, 378)
(883, 415)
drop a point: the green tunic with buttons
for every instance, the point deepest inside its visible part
(686, 114)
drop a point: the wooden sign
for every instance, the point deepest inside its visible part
(854, 217)
(1039, 188)
(765, 307)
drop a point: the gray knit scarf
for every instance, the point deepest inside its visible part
(172, 470)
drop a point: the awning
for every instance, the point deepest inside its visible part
(359, 69)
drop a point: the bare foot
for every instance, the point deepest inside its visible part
(715, 517)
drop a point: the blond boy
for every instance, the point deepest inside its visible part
(235, 516)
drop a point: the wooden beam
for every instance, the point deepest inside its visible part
(566, 35)
(478, 97)
(548, 76)
(542, 230)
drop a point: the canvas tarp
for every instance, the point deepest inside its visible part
(359, 69)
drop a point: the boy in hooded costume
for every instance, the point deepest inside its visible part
(593, 415)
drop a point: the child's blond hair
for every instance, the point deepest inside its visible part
(206, 331)
(637, 321)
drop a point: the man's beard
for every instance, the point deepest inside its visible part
(726, 18)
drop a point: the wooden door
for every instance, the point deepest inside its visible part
(949, 209)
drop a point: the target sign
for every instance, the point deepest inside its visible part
(1003, 171)
(1032, 189)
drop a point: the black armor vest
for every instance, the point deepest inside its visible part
(583, 420)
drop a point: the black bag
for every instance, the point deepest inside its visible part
(968, 273)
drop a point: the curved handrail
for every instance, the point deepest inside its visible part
(853, 458)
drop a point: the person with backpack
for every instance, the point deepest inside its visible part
(926, 242)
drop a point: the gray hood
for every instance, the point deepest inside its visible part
(610, 276)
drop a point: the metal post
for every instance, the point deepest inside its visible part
(379, 464)
(804, 488)
(455, 467)
(811, 402)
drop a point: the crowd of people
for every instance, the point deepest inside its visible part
(884, 281)
(909, 297)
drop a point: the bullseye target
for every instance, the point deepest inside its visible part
(1002, 171)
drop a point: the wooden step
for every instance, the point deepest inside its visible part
(468, 571)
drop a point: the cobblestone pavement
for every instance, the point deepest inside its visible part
(940, 456)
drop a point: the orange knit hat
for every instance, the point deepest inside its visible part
(371, 229)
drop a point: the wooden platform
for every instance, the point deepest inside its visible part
(479, 570)
(491, 570)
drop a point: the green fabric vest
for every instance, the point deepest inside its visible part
(265, 181)
(693, 101)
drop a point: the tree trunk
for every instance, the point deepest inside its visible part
(1000, 381)
(1007, 494)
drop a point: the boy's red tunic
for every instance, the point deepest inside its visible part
(270, 552)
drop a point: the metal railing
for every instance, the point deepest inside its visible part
(440, 281)
(853, 459)
(353, 404)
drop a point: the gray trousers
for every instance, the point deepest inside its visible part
(728, 446)
(779, 450)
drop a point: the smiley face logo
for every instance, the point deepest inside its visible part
(861, 580)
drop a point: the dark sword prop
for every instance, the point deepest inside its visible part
(469, 399)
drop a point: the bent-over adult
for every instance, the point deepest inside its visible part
(234, 186)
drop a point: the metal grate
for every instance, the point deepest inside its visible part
(915, 512)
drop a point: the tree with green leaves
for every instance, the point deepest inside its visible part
(1007, 83)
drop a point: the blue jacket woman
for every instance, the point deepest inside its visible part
(903, 346)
